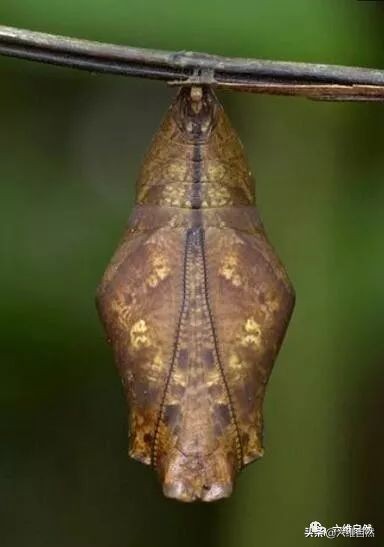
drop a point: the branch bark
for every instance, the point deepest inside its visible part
(316, 81)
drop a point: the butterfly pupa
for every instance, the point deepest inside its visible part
(195, 304)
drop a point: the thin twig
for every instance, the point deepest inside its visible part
(323, 82)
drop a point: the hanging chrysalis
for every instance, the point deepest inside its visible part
(195, 304)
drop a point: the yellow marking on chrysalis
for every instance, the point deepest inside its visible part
(270, 305)
(152, 281)
(174, 191)
(229, 270)
(236, 280)
(253, 333)
(160, 270)
(215, 171)
(228, 266)
(177, 171)
(250, 339)
(121, 310)
(234, 361)
(158, 361)
(139, 336)
(251, 325)
(160, 264)
(212, 377)
(237, 367)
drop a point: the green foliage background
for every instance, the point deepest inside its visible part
(70, 148)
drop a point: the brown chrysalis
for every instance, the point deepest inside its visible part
(195, 304)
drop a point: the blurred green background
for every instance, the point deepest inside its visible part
(71, 145)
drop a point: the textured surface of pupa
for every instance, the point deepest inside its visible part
(195, 304)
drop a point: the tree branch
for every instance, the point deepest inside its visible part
(316, 81)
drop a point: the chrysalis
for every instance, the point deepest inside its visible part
(196, 305)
